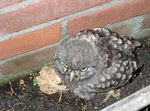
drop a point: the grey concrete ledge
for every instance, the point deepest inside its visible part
(134, 102)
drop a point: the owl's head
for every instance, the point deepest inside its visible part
(75, 59)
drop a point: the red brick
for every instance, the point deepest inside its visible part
(41, 12)
(30, 41)
(4, 3)
(27, 61)
(109, 15)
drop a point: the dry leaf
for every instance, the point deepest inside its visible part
(49, 82)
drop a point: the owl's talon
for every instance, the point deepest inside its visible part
(111, 93)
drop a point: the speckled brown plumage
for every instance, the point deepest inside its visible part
(95, 60)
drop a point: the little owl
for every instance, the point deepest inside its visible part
(95, 60)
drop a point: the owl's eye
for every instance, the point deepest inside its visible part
(65, 65)
(84, 69)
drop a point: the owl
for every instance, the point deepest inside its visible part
(95, 60)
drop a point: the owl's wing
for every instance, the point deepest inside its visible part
(124, 43)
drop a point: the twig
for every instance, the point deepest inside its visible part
(11, 90)
(60, 97)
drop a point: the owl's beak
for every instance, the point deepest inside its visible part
(73, 74)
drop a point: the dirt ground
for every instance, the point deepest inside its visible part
(23, 95)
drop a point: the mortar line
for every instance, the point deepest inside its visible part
(17, 6)
(40, 26)
(64, 29)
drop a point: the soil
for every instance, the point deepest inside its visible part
(23, 95)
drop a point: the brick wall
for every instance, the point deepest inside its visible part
(31, 29)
